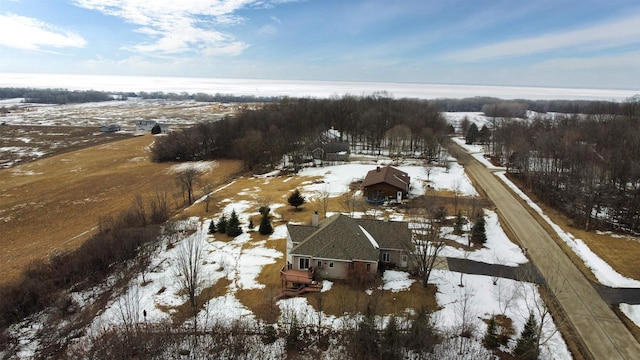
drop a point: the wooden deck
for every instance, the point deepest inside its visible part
(298, 282)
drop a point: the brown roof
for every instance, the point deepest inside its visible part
(388, 175)
(343, 238)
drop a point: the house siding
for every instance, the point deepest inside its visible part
(395, 257)
(372, 191)
(340, 269)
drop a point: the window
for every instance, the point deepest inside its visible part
(319, 263)
(352, 266)
(386, 257)
(304, 263)
(330, 264)
(368, 267)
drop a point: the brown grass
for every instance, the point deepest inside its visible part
(623, 254)
(183, 312)
(343, 298)
(58, 206)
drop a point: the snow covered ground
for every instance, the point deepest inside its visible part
(240, 260)
(299, 88)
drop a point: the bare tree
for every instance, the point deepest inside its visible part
(129, 310)
(207, 189)
(541, 307)
(466, 318)
(324, 196)
(186, 180)
(188, 266)
(427, 245)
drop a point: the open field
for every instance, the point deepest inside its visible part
(31, 131)
(55, 203)
(20, 144)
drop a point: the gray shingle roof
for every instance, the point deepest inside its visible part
(340, 237)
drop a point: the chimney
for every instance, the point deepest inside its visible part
(314, 219)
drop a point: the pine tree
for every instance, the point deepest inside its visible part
(222, 224)
(265, 224)
(472, 134)
(479, 231)
(391, 340)
(460, 221)
(490, 340)
(233, 225)
(250, 226)
(295, 199)
(527, 345)
(212, 227)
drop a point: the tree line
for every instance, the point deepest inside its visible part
(261, 137)
(55, 96)
(585, 165)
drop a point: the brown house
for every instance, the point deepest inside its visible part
(386, 182)
(340, 246)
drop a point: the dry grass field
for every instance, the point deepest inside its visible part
(620, 252)
(54, 204)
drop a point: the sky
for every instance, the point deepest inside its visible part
(550, 43)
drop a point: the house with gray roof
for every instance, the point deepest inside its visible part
(339, 246)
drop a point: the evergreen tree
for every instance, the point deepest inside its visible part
(479, 231)
(391, 340)
(265, 224)
(484, 135)
(233, 225)
(295, 199)
(222, 224)
(490, 340)
(527, 345)
(250, 226)
(472, 134)
(460, 221)
(422, 336)
(212, 227)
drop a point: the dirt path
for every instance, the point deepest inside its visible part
(602, 332)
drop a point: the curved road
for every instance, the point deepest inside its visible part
(602, 333)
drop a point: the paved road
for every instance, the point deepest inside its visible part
(602, 333)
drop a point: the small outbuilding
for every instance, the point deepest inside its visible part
(110, 128)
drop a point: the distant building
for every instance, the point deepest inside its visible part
(147, 125)
(110, 128)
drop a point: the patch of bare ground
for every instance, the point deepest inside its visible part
(349, 298)
(54, 204)
(622, 254)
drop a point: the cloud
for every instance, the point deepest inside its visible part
(267, 30)
(603, 36)
(628, 60)
(181, 26)
(33, 34)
